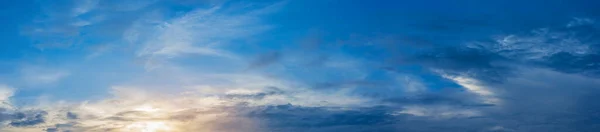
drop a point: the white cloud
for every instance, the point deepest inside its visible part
(439, 112)
(84, 6)
(500, 128)
(5, 92)
(36, 75)
(61, 25)
(475, 86)
(536, 45)
(99, 50)
(411, 84)
(275, 91)
(199, 32)
(577, 21)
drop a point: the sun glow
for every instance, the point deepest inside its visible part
(149, 126)
(146, 108)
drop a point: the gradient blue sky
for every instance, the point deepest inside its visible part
(299, 65)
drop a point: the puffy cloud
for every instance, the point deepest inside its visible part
(5, 92)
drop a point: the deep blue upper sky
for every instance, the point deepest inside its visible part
(299, 65)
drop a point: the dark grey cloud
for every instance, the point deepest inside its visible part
(61, 127)
(71, 115)
(51, 129)
(28, 118)
(25, 118)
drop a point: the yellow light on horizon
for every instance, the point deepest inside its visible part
(149, 126)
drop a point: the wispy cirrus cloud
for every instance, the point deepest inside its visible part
(36, 75)
(198, 32)
(577, 21)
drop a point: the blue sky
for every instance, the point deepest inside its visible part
(299, 65)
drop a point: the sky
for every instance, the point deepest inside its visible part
(299, 66)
